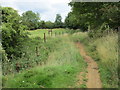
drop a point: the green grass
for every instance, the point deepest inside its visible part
(32, 57)
(107, 48)
(62, 64)
(57, 62)
(104, 50)
(40, 32)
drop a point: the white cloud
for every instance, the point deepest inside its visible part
(46, 8)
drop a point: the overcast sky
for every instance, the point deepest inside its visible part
(46, 8)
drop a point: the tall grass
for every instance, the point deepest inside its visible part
(59, 71)
(30, 58)
(29, 53)
(104, 50)
(107, 48)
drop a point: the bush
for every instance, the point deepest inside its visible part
(13, 33)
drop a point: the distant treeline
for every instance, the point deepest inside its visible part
(84, 15)
(32, 21)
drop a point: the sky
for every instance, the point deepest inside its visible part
(46, 8)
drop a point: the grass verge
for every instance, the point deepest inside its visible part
(104, 50)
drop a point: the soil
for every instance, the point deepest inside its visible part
(92, 70)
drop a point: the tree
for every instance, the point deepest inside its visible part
(13, 33)
(42, 24)
(58, 21)
(95, 16)
(71, 21)
(49, 25)
(30, 19)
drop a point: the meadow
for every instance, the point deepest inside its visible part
(76, 50)
(57, 62)
(40, 32)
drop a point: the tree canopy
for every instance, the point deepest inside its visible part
(94, 16)
(30, 19)
(58, 21)
(13, 31)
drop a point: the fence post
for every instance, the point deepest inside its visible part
(37, 54)
(44, 38)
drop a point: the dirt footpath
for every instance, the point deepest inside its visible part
(93, 74)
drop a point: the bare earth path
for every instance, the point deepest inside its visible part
(93, 74)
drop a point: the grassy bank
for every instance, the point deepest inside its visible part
(34, 51)
(107, 48)
(104, 50)
(62, 64)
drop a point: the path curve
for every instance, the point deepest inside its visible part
(93, 74)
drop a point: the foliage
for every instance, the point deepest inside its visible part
(107, 48)
(42, 24)
(69, 21)
(13, 33)
(104, 50)
(29, 56)
(58, 71)
(58, 60)
(58, 21)
(49, 25)
(30, 19)
(93, 16)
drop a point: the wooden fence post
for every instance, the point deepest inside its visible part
(37, 53)
(44, 38)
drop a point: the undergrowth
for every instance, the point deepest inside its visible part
(59, 70)
(35, 51)
(104, 50)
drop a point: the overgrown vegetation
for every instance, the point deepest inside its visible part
(107, 49)
(34, 51)
(104, 50)
(13, 32)
(27, 61)
(58, 71)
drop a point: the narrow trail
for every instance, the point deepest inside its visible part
(92, 69)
